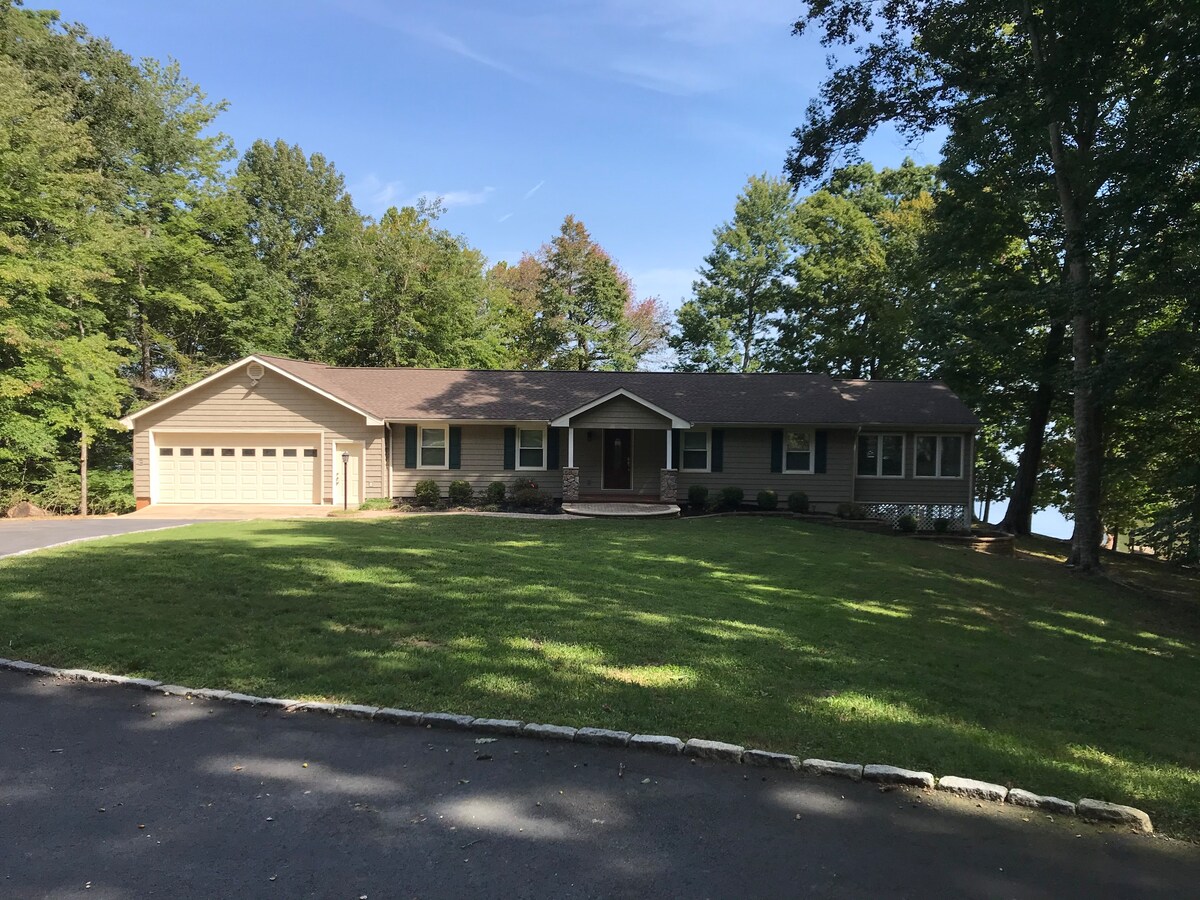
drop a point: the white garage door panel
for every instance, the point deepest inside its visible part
(216, 468)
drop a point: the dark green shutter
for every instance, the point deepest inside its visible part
(552, 448)
(510, 449)
(777, 451)
(822, 450)
(718, 450)
(410, 446)
(455, 447)
(676, 440)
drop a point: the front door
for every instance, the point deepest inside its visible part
(347, 484)
(618, 459)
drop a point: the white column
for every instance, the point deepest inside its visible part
(570, 447)
(667, 464)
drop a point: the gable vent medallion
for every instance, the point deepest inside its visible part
(255, 372)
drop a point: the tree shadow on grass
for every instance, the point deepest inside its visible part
(766, 632)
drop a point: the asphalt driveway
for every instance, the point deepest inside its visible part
(111, 792)
(24, 535)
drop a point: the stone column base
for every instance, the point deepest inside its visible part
(668, 485)
(570, 484)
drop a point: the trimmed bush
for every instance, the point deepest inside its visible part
(697, 496)
(907, 523)
(495, 493)
(767, 501)
(526, 495)
(941, 526)
(427, 492)
(730, 498)
(798, 502)
(851, 511)
(460, 493)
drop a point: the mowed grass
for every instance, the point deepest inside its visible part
(767, 632)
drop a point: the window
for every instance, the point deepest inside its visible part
(694, 451)
(310, 454)
(433, 448)
(165, 451)
(798, 451)
(939, 456)
(247, 451)
(227, 451)
(269, 451)
(881, 455)
(186, 451)
(531, 448)
(206, 451)
(292, 452)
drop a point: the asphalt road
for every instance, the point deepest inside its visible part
(23, 535)
(112, 792)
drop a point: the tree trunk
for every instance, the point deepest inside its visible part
(1018, 518)
(987, 509)
(83, 473)
(1085, 539)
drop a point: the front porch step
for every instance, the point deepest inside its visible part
(626, 510)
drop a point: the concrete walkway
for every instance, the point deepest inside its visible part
(227, 511)
(111, 792)
(622, 510)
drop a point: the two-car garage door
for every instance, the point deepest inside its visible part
(246, 468)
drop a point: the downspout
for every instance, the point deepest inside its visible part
(854, 466)
(391, 450)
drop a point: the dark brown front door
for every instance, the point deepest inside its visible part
(618, 459)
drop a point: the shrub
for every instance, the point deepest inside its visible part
(527, 495)
(941, 526)
(495, 493)
(798, 502)
(697, 496)
(427, 492)
(851, 511)
(460, 493)
(730, 498)
(767, 500)
(907, 523)
(377, 503)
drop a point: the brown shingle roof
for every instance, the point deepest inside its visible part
(760, 398)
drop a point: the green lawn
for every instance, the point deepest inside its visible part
(768, 632)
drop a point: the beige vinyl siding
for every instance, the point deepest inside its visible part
(233, 403)
(911, 489)
(620, 412)
(482, 459)
(747, 464)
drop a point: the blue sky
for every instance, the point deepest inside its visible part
(644, 119)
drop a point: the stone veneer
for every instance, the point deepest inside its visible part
(668, 485)
(570, 484)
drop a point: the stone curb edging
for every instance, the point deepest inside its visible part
(696, 748)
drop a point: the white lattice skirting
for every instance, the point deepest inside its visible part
(925, 513)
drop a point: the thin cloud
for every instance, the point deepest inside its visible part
(533, 190)
(505, 217)
(677, 80)
(451, 199)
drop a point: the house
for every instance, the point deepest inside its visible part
(272, 430)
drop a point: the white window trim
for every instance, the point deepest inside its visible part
(812, 451)
(545, 448)
(937, 461)
(432, 426)
(878, 435)
(707, 432)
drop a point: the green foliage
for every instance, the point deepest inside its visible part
(851, 511)
(427, 492)
(743, 283)
(907, 523)
(528, 497)
(697, 496)
(730, 498)
(377, 503)
(941, 525)
(460, 493)
(798, 502)
(768, 500)
(495, 493)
